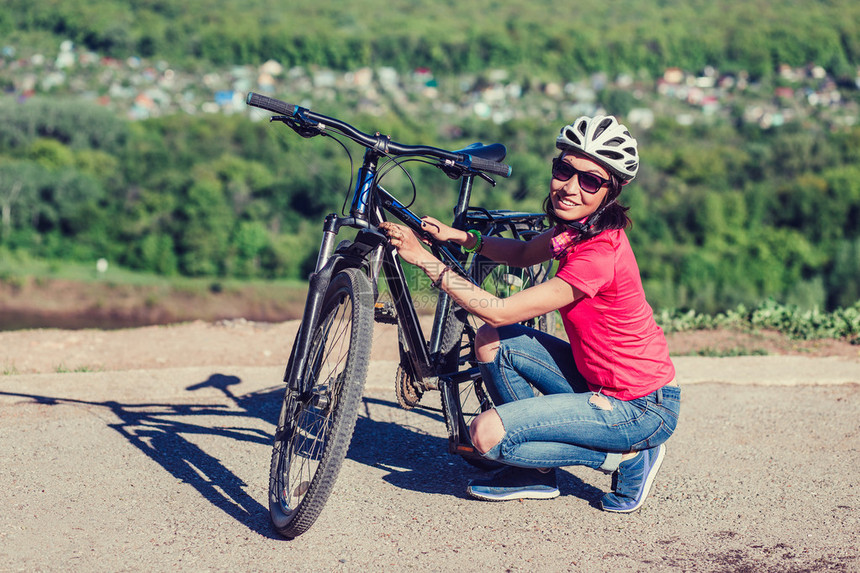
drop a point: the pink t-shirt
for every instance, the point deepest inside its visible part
(616, 344)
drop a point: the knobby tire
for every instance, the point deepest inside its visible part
(314, 431)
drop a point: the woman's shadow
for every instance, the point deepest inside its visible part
(418, 461)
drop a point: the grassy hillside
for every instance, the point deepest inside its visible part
(538, 35)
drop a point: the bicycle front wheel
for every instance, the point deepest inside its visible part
(315, 428)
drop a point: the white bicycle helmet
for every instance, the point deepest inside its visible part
(606, 141)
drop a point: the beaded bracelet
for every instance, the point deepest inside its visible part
(438, 282)
(478, 244)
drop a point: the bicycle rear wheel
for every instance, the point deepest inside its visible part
(465, 397)
(314, 430)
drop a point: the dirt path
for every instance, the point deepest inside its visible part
(167, 469)
(148, 449)
(241, 342)
(198, 343)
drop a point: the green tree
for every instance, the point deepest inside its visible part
(18, 193)
(51, 154)
(844, 286)
(250, 241)
(206, 224)
(158, 254)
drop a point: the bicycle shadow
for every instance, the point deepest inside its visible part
(418, 461)
(161, 431)
(414, 459)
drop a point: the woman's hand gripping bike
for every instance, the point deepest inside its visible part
(326, 371)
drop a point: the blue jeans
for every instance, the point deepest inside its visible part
(562, 426)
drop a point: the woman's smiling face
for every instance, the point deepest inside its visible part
(569, 201)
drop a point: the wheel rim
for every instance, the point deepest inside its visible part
(310, 420)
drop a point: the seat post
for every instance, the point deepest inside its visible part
(463, 200)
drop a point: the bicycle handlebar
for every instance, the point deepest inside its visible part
(380, 143)
(270, 104)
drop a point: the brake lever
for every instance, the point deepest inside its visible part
(303, 128)
(457, 171)
(487, 178)
(452, 171)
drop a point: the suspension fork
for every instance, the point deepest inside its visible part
(317, 286)
(362, 250)
(330, 229)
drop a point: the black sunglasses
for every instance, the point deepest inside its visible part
(588, 182)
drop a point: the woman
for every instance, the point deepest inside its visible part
(608, 399)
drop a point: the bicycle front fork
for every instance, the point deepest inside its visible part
(330, 229)
(364, 249)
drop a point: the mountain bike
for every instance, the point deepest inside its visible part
(328, 363)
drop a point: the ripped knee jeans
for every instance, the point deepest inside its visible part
(552, 419)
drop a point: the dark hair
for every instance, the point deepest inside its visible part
(609, 215)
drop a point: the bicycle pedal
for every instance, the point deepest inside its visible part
(384, 313)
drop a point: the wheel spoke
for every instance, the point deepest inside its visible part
(317, 424)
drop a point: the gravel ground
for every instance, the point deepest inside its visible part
(166, 467)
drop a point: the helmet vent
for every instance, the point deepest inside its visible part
(574, 137)
(601, 127)
(609, 154)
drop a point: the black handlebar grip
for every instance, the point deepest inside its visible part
(270, 104)
(489, 166)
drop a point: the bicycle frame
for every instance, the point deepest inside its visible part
(369, 200)
(368, 251)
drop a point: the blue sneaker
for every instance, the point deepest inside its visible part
(632, 481)
(515, 483)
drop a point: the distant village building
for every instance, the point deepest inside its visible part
(673, 76)
(143, 89)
